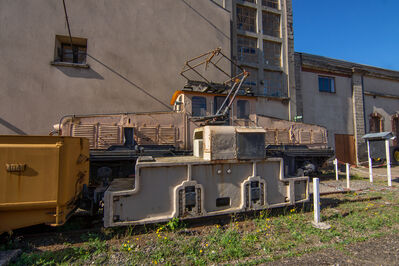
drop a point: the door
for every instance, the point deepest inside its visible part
(345, 148)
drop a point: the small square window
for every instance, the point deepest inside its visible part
(64, 53)
(326, 84)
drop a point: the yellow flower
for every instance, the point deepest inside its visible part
(200, 250)
(129, 249)
(206, 245)
(128, 241)
(217, 226)
(155, 262)
(137, 238)
(124, 245)
(165, 237)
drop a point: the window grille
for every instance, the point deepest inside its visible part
(271, 24)
(246, 49)
(270, 3)
(272, 53)
(66, 53)
(246, 18)
(273, 84)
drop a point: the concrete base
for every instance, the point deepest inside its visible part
(8, 256)
(322, 226)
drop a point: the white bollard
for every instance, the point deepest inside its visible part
(388, 162)
(316, 207)
(316, 200)
(347, 176)
(336, 168)
(370, 162)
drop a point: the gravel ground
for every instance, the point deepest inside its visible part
(328, 185)
(377, 251)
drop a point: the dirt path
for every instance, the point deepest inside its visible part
(377, 251)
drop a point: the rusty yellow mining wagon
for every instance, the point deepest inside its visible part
(41, 179)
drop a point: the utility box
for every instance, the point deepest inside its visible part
(229, 142)
(41, 178)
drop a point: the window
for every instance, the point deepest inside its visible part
(272, 53)
(326, 84)
(246, 49)
(273, 84)
(64, 53)
(376, 124)
(270, 3)
(252, 80)
(246, 18)
(198, 106)
(242, 109)
(217, 103)
(271, 24)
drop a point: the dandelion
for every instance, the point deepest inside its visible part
(200, 250)
(137, 238)
(129, 249)
(165, 238)
(125, 245)
(217, 226)
(206, 244)
(155, 262)
(128, 241)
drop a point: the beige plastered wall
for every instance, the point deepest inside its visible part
(385, 106)
(137, 49)
(331, 110)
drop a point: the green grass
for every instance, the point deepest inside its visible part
(268, 236)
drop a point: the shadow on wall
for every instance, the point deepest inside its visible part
(11, 127)
(72, 72)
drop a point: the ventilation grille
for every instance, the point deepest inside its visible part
(108, 136)
(84, 131)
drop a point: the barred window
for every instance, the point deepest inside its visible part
(272, 53)
(270, 3)
(273, 84)
(66, 53)
(246, 18)
(246, 49)
(271, 24)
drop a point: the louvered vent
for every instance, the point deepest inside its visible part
(84, 131)
(108, 136)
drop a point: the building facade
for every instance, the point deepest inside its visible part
(263, 43)
(126, 56)
(349, 99)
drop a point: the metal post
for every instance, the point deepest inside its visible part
(370, 162)
(388, 162)
(316, 200)
(347, 176)
(336, 168)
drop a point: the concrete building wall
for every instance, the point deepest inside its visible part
(331, 110)
(135, 48)
(263, 43)
(359, 92)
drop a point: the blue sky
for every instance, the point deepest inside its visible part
(361, 31)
